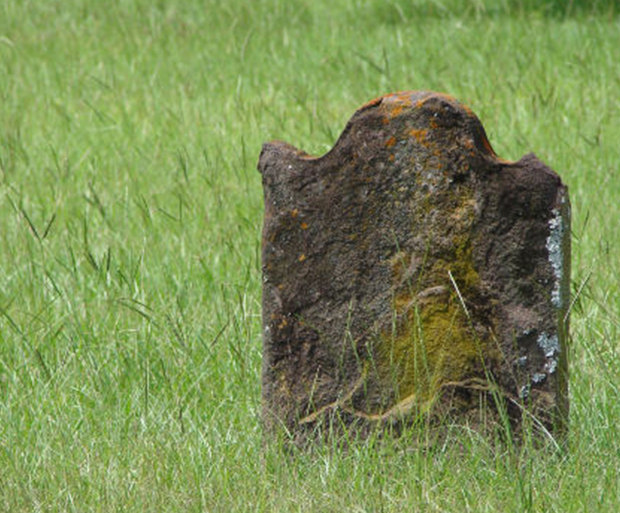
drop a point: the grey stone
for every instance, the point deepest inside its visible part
(411, 273)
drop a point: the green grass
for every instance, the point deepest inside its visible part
(130, 216)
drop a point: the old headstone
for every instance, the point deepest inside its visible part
(410, 272)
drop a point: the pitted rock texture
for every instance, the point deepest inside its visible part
(411, 273)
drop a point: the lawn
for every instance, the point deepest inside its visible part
(130, 218)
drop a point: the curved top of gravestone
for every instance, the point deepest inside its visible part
(435, 120)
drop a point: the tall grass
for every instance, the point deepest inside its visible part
(130, 215)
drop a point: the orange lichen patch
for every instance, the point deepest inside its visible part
(402, 96)
(487, 146)
(372, 103)
(473, 146)
(304, 226)
(302, 154)
(390, 142)
(307, 156)
(395, 110)
(294, 213)
(419, 134)
(302, 257)
(394, 104)
(391, 158)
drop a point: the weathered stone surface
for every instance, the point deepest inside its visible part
(410, 271)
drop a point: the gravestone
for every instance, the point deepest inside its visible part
(411, 273)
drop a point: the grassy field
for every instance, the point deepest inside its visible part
(130, 217)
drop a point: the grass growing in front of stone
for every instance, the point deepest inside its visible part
(130, 215)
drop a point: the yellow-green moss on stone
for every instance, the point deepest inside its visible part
(432, 344)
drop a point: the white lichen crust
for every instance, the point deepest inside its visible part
(550, 346)
(556, 257)
(550, 343)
